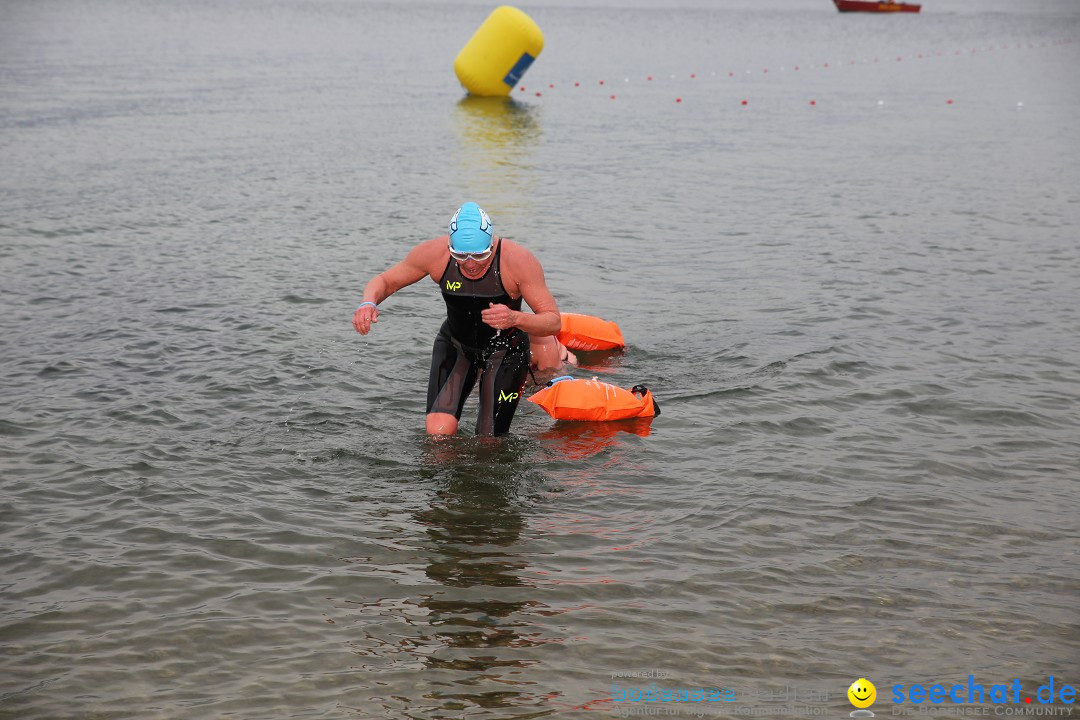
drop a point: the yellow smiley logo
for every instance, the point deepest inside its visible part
(862, 693)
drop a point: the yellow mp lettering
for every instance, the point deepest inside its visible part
(451, 286)
(507, 396)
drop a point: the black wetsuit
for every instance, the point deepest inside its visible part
(466, 347)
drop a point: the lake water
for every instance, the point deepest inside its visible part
(855, 298)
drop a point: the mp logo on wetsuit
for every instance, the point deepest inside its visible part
(452, 286)
(503, 396)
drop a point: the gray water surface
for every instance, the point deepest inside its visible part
(859, 317)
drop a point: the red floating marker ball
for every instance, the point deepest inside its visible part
(577, 84)
(743, 102)
(796, 67)
(765, 70)
(537, 93)
(522, 88)
(731, 74)
(552, 86)
(678, 100)
(601, 82)
(949, 101)
(813, 102)
(612, 97)
(649, 78)
(692, 76)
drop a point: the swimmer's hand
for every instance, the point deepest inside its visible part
(364, 316)
(499, 316)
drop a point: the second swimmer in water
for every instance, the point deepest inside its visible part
(549, 354)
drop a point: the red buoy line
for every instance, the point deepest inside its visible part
(604, 87)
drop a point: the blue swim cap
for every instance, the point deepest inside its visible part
(470, 229)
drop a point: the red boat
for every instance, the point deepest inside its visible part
(871, 6)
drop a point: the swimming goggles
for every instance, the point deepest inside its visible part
(477, 256)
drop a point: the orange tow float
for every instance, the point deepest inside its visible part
(585, 332)
(566, 398)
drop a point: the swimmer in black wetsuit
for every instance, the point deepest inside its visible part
(483, 280)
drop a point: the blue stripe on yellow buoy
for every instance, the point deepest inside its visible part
(499, 52)
(518, 70)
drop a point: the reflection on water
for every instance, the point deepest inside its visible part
(497, 138)
(580, 440)
(501, 128)
(481, 617)
(478, 610)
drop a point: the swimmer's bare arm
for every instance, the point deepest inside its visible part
(422, 260)
(529, 278)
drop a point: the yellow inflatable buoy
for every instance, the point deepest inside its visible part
(499, 52)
